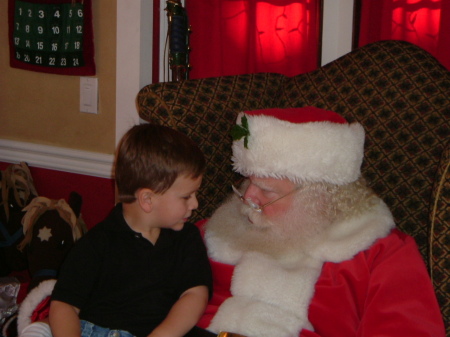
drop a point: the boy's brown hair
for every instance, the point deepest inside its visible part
(153, 156)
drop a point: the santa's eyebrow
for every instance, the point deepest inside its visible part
(262, 185)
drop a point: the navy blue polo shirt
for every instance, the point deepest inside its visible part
(120, 280)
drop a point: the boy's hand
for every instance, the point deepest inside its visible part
(184, 314)
(64, 320)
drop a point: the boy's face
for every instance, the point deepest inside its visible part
(173, 208)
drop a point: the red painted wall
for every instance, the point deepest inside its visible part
(98, 193)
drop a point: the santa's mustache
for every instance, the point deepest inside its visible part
(255, 219)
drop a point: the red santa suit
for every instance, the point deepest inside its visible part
(384, 290)
(359, 277)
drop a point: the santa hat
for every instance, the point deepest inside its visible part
(301, 144)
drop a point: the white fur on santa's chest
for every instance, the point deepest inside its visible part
(269, 298)
(289, 286)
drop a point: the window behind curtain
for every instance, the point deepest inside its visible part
(232, 37)
(425, 23)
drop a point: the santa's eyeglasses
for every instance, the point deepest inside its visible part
(254, 206)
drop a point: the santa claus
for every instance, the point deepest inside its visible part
(304, 247)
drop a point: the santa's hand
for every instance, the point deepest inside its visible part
(229, 334)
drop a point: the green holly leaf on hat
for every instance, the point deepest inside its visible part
(239, 131)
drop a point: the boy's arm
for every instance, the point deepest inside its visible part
(184, 314)
(64, 320)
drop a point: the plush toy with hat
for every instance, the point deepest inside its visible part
(50, 227)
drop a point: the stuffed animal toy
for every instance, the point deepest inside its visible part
(51, 227)
(16, 191)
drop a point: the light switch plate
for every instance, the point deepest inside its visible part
(89, 94)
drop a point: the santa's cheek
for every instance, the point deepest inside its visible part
(272, 212)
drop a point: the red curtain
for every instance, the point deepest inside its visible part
(232, 37)
(425, 23)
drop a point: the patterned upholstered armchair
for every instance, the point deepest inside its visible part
(397, 91)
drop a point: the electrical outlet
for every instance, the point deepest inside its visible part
(89, 94)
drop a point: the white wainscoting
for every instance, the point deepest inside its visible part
(57, 158)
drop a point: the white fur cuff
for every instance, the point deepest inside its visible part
(32, 300)
(256, 319)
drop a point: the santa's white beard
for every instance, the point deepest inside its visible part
(278, 260)
(274, 275)
(296, 230)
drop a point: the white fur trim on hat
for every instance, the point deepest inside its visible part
(315, 151)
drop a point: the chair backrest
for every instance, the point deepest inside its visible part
(396, 90)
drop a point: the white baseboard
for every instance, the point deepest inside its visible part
(57, 158)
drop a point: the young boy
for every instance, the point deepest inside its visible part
(142, 271)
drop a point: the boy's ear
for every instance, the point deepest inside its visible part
(144, 197)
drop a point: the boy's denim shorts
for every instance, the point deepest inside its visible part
(91, 330)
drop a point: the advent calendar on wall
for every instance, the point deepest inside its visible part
(52, 36)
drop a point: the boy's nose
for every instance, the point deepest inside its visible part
(194, 202)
